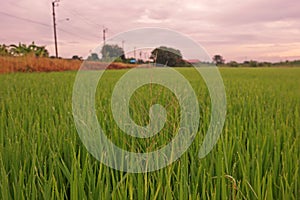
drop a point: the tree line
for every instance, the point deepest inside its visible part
(168, 56)
(164, 56)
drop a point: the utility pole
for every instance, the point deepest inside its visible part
(54, 3)
(123, 41)
(104, 32)
(134, 52)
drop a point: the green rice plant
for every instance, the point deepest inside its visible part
(256, 157)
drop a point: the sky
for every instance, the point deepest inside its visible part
(262, 30)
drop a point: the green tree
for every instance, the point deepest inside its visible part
(167, 56)
(76, 57)
(93, 57)
(253, 63)
(233, 64)
(4, 50)
(218, 60)
(112, 52)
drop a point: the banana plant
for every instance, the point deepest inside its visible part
(39, 51)
(19, 50)
(3, 50)
(32, 49)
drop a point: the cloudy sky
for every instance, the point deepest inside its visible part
(239, 30)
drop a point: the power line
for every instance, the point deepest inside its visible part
(88, 22)
(43, 24)
(84, 19)
(25, 19)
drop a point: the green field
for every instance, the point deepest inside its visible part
(256, 157)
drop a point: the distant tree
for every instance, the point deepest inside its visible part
(253, 63)
(140, 61)
(218, 60)
(112, 52)
(118, 60)
(267, 64)
(233, 64)
(76, 57)
(167, 56)
(93, 57)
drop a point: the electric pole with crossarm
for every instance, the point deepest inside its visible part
(104, 36)
(54, 4)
